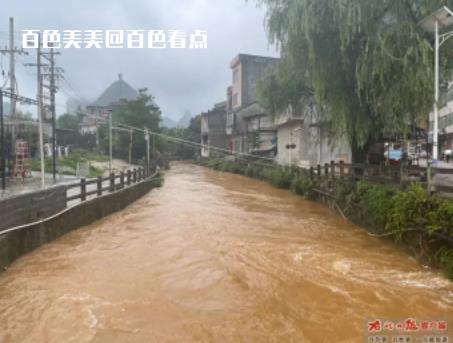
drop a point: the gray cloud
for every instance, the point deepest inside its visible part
(179, 79)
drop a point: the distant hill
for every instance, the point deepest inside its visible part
(184, 121)
(117, 91)
(167, 122)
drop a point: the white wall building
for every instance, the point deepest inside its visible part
(303, 142)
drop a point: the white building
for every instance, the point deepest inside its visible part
(303, 142)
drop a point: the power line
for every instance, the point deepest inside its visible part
(195, 144)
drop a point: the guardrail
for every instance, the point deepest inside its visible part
(99, 185)
(393, 175)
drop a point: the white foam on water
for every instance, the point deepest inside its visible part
(299, 256)
(422, 280)
(91, 321)
(342, 266)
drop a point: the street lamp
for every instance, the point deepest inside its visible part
(434, 23)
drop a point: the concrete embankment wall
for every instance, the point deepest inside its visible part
(20, 240)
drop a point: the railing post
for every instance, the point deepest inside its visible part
(326, 169)
(332, 169)
(341, 168)
(312, 172)
(128, 177)
(135, 175)
(318, 169)
(83, 189)
(99, 186)
(112, 182)
(122, 180)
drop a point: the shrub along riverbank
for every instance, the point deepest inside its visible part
(415, 220)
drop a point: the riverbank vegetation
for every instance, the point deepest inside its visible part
(67, 165)
(409, 215)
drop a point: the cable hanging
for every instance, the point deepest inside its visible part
(184, 141)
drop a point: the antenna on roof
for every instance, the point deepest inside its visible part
(120, 77)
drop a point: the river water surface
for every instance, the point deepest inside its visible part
(215, 257)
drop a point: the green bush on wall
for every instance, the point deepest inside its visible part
(302, 185)
(377, 200)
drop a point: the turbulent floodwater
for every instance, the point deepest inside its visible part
(215, 257)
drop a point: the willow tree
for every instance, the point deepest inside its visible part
(366, 61)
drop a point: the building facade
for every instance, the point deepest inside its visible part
(304, 141)
(249, 127)
(213, 130)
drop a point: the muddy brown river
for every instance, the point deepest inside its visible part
(216, 257)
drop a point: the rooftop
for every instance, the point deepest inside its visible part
(242, 57)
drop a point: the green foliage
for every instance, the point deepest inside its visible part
(403, 210)
(302, 185)
(368, 63)
(177, 150)
(378, 201)
(141, 112)
(68, 121)
(279, 177)
(69, 164)
(345, 191)
(441, 219)
(254, 170)
(85, 155)
(410, 209)
(445, 258)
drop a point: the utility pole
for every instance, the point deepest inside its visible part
(130, 147)
(39, 98)
(40, 110)
(436, 95)
(52, 108)
(2, 142)
(54, 73)
(154, 148)
(12, 50)
(110, 142)
(147, 149)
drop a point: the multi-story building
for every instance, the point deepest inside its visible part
(213, 129)
(249, 126)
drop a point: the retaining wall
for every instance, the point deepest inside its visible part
(20, 240)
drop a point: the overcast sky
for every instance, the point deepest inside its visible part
(179, 79)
